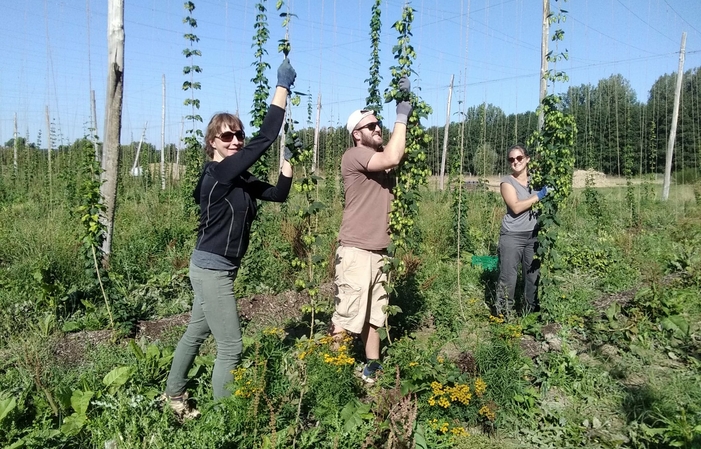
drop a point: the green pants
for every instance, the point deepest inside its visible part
(214, 312)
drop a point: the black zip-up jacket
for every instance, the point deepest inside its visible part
(227, 193)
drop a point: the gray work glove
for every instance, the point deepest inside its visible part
(287, 153)
(404, 107)
(404, 84)
(286, 75)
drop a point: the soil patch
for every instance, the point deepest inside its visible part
(256, 312)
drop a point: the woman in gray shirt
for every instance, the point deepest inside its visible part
(518, 236)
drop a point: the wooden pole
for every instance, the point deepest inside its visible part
(445, 132)
(93, 124)
(544, 60)
(113, 119)
(163, 136)
(134, 171)
(16, 146)
(49, 143)
(675, 116)
(315, 158)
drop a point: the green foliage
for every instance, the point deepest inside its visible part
(553, 166)
(193, 155)
(374, 98)
(262, 91)
(412, 172)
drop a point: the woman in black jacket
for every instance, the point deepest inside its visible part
(226, 194)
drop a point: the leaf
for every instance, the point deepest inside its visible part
(677, 324)
(138, 353)
(116, 378)
(73, 423)
(354, 413)
(80, 400)
(152, 352)
(419, 437)
(6, 406)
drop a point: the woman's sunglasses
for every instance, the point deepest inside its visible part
(228, 136)
(514, 159)
(371, 126)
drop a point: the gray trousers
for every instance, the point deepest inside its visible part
(214, 312)
(515, 248)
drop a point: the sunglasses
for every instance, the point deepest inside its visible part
(371, 126)
(514, 159)
(228, 136)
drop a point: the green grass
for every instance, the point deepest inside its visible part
(625, 372)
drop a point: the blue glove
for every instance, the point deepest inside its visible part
(286, 75)
(543, 192)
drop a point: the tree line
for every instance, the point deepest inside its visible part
(616, 131)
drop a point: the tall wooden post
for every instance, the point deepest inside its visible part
(544, 60)
(135, 171)
(163, 136)
(113, 118)
(315, 158)
(93, 125)
(445, 131)
(16, 146)
(49, 143)
(675, 116)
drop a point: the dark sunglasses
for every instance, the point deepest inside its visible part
(229, 136)
(514, 159)
(371, 126)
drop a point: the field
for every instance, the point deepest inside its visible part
(612, 361)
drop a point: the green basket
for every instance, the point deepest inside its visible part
(489, 263)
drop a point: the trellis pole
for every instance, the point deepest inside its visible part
(15, 145)
(544, 60)
(163, 136)
(675, 116)
(445, 131)
(113, 118)
(315, 157)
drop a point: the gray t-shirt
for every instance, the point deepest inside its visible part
(527, 220)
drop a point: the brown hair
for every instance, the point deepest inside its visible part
(518, 147)
(218, 121)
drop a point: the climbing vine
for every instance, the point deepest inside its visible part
(308, 260)
(89, 210)
(413, 171)
(260, 95)
(194, 156)
(374, 98)
(553, 166)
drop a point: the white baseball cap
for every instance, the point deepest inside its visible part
(356, 117)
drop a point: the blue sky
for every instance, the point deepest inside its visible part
(56, 51)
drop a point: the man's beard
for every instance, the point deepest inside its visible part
(369, 141)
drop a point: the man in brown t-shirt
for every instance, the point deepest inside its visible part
(364, 235)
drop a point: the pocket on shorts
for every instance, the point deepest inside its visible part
(347, 291)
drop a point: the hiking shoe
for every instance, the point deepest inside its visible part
(369, 373)
(180, 406)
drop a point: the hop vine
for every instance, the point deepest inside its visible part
(374, 98)
(553, 166)
(194, 156)
(262, 91)
(413, 171)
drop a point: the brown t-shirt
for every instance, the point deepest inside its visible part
(365, 223)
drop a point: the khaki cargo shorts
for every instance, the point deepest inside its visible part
(359, 294)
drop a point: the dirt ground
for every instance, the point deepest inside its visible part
(256, 312)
